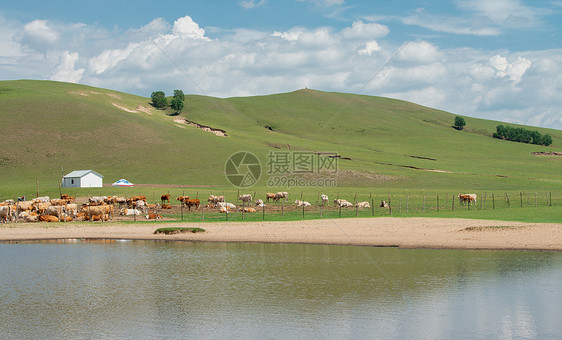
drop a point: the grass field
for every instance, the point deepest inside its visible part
(386, 145)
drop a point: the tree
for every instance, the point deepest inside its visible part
(459, 123)
(179, 94)
(177, 104)
(159, 99)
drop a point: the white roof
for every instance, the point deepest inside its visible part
(81, 173)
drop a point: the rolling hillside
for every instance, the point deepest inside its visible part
(52, 127)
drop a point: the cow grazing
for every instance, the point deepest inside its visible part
(7, 213)
(153, 217)
(470, 198)
(324, 199)
(165, 198)
(363, 205)
(97, 200)
(67, 198)
(42, 199)
(25, 206)
(41, 207)
(245, 198)
(192, 203)
(270, 195)
(55, 210)
(383, 204)
(58, 201)
(215, 199)
(281, 195)
(182, 199)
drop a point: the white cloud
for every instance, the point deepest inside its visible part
(361, 30)
(370, 47)
(501, 85)
(325, 3)
(509, 13)
(38, 35)
(420, 52)
(248, 4)
(65, 70)
(514, 71)
(186, 28)
(463, 26)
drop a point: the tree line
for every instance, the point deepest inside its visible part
(522, 135)
(159, 100)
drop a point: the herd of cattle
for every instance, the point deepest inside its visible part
(102, 208)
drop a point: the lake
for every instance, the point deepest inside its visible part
(143, 289)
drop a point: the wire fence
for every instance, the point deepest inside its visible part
(362, 205)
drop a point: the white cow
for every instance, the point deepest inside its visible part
(363, 205)
(300, 203)
(324, 199)
(245, 198)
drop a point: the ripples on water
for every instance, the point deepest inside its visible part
(109, 289)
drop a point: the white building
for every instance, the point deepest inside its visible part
(82, 179)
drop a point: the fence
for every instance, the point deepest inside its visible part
(398, 204)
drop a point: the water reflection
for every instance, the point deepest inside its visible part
(77, 288)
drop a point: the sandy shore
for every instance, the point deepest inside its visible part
(379, 231)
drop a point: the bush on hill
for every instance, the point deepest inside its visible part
(459, 123)
(159, 99)
(522, 135)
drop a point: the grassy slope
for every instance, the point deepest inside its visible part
(49, 125)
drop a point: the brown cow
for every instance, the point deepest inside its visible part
(166, 206)
(164, 198)
(192, 202)
(153, 217)
(48, 218)
(182, 199)
(269, 195)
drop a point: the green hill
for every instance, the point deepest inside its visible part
(51, 127)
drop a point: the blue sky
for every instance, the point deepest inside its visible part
(496, 59)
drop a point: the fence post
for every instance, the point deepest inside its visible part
(389, 207)
(282, 210)
(356, 210)
(303, 211)
(521, 197)
(507, 200)
(481, 201)
(550, 201)
(407, 203)
(535, 199)
(372, 207)
(437, 203)
(453, 203)
(400, 204)
(203, 213)
(493, 202)
(340, 211)
(243, 209)
(181, 208)
(423, 205)
(263, 211)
